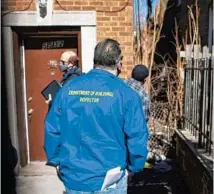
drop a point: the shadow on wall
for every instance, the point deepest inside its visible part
(9, 153)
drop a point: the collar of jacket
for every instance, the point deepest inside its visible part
(103, 72)
(135, 82)
(70, 71)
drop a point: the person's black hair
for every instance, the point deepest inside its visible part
(107, 53)
(140, 72)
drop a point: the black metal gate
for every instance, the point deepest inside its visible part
(198, 100)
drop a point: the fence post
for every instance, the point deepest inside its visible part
(209, 104)
(197, 56)
(201, 98)
(212, 63)
(206, 100)
(188, 64)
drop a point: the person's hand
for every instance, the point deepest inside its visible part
(49, 99)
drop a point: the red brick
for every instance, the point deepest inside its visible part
(125, 33)
(111, 14)
(129, 9)
(103, 19)
(129, 65)
(100, 23)
(19, 7)
(112, 34)
(119, 9)
(118, 18)
(22, 3)
(104, 28)
(111, 24)
(125, 24)
(75, 8)
(96, 3)
(101, 38)
(121, 29)
(104, 9)
(122, 47)
(128, 43)
(66, 3)
(123, 38)
(80, 3)
(88, 8)
(111, 3)
(125, 14)
(122, 3)
(100, 33)
(128, 53)
(128, 48)
(129, 29)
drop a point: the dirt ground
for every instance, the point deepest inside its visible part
(151, 182)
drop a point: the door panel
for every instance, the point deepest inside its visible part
(41, 60)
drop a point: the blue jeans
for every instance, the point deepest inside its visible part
(121, 188)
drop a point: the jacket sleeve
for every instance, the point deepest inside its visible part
(52, 130)
(136, 132)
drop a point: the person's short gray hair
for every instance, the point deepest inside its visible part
(107, 53)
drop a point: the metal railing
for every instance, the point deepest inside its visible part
(198, 97)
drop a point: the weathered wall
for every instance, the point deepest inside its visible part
(197, 177)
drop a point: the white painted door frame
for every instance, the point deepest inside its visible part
(85, 19)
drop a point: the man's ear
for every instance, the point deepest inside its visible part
(73, 59)
(70, 60)
(119, 66)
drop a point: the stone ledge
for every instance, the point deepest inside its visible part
(194, 166)
(191, 141)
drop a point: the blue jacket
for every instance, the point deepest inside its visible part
(96, 123)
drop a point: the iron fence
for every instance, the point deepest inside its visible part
(198, 100)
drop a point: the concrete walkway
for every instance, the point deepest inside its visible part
(37, 178)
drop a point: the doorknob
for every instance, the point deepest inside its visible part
(30, 112)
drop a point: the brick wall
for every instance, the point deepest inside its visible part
(117, 25)
(18, 5)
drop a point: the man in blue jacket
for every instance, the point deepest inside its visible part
(95, 131)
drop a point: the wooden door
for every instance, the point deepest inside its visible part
(42, 56)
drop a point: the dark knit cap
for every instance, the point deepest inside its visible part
(140, 72)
